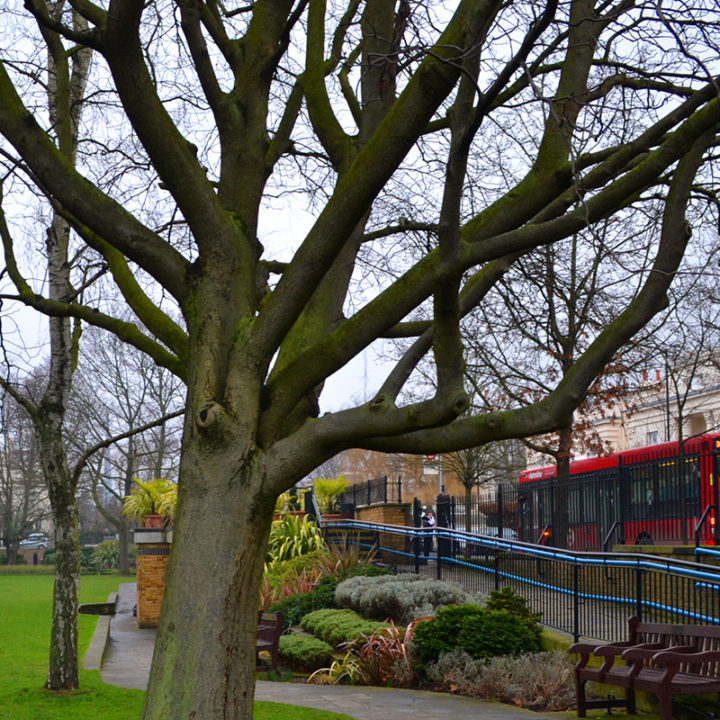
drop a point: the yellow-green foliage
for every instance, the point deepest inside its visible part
(338, 626)
(304, 652)
(155, 497)
(327, 490)
(291, 537)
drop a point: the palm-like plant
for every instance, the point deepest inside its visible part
(291, 537)
(327, 491)
(155, 497)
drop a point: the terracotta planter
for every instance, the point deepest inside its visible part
(153, 521)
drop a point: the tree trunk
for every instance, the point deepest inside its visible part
(204, 662)
(11, 552)
(124, 546)
(48, 421)
(124, 526)
(63, 665)
(562, 497)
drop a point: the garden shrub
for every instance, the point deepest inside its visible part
(86, 558)
(401, 598)
(498, 632)
(543, 682)
(345, 555)
(304, 652)
(49, 557)
(383, 657)
(338, 626)
(508, 599)
(292, 536)
(322, 596)
(290, 585)
(481, 632)
(106, 556)
(282, 570)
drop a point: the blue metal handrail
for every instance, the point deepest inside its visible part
(505, 561)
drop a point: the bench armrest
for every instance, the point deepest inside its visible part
(622, 648)
(582, 648)
(677, 655)
(643, 651)
(611, 649)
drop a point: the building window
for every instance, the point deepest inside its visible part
(653, 438)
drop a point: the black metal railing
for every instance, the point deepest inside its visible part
(586, 594)
(372, 492)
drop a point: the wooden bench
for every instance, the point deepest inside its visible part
(661, 658)
(268, 637)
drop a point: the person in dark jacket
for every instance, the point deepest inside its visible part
(428, 522)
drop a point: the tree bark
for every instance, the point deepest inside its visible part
(63, 664)
(562, 494)
(203, 666)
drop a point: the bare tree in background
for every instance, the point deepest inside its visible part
(119, 390)
(23, 496)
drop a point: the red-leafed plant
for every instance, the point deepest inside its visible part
(292, 583)
(383, 656)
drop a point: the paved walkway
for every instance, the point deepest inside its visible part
(129, 653)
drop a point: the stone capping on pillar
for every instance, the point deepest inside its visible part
(153, 554)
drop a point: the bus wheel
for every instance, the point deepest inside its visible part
(644, 538)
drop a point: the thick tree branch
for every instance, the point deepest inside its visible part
(373, 166)
(83, 199)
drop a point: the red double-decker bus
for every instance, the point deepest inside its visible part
(661, 494)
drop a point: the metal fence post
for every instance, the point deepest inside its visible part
(497, 568)
(638, 592)
(576, 602)
(416, 550)
(439, 556)
(500, 510)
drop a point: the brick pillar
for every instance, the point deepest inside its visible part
(153, 554)
(389, 514)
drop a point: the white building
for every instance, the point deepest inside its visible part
(687, 397)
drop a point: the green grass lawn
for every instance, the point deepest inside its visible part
(25, 608)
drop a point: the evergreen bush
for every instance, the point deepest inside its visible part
(401, 598)
(543, 682)
(322, 596)
(86, 558)
(284, 569)
(304, 652)
(106, 556)
(338, 626)
(481, 632)
(508, 599)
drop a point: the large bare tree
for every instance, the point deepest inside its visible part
(434, 145)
